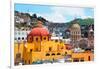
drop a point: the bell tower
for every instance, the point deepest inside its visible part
(91, 37)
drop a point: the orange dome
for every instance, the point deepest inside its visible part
(39, 32)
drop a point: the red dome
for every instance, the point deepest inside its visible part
(39, 32)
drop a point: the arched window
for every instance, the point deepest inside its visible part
(44, 38)
(53, 53)
(36, 39)
(18, 38)
(58, 53)
(50, 48)
(29, 38)
(47, 54)
(22, 38)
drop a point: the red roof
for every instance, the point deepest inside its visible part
(39, 32)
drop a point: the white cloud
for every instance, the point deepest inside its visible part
(54, 17)
(59, 14)
(72, 11)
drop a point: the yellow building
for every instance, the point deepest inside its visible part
(39, 47)
(81, 57)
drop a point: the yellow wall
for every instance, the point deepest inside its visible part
(84, 55)
(30, 53)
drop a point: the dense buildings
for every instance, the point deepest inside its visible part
(38, 47)
(37, 40)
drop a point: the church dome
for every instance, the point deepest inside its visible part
(39, 31)
(76, 26)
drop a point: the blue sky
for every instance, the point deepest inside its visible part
(56, 13)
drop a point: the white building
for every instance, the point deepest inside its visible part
(20, 34)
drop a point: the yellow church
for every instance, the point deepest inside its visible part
(40, 47)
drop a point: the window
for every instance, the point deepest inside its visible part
(18, 38)
(58, 53)
(30, 39)
(36, 39)
(53, 54)
(29, 61)
(22, 33)
(30, 50)
(50, 48)
(47, 54)
(23, 29)
(89, 58)
(75, 60)
(65, 52)
(44, 38)
(56, 40)
(22, 38)
(69, 56)
(82, 59)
